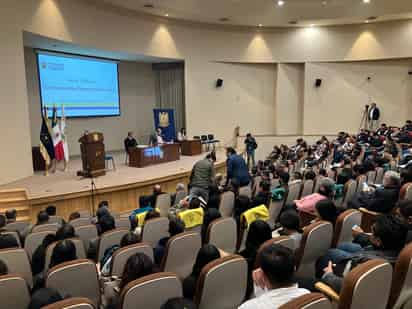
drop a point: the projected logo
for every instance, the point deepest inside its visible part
(43, 65)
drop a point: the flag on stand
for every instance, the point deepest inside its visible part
(57, 137)
(63, 135)
(46, 142)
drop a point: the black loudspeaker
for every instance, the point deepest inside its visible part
(318, 82)
(219, 83)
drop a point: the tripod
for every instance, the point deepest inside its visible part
(364, 124)
(93, 190)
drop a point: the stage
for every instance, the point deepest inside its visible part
(121, 187)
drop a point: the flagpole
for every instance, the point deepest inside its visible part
(46, 165)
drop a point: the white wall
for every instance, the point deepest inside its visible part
(137, 100)
(289, 98)
(85, 24)
(339, 102)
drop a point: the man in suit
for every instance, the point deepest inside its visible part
(130, 142)
(373, 117)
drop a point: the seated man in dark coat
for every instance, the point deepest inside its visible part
(382, 199)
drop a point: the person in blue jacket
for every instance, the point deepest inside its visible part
(236, 167)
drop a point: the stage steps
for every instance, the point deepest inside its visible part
(15, 199)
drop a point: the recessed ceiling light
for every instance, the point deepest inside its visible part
(367, 21)
(281, 3)
(366, 1)
(148, 6)
(260, 25)
(167, 15)
(324, 2)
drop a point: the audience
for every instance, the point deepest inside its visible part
(326, 210)
(263, 196)
(105, 224)
(39, 255)
(259, 232)
(178, 303)
(210, 215)
(2, 223)
(274, 281)
(290, 226)
(206, 254)
(11, 215)
(44, 297)
(42, 218)
(51, 210)
(137, 266)
(73, 216)
(381, 200)
(8, 241)
(387, 240)
(64, 251)
(326, 191)
(150, 200)
(176, 226)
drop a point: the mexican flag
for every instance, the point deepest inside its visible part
(57, 137)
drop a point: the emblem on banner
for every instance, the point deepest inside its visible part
(163, 119)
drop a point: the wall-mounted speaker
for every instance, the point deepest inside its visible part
(219, 83)
(318, 82)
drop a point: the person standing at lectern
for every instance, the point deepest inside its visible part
(130, 142)
(373, 117)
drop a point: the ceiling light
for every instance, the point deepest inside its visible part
(366, 1)
(260, 25)
(167, 15)
(281, 3)
(324, 2)
(312, 25)
(367, 21)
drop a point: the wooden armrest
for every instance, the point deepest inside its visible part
(327, 290)
(370, 212)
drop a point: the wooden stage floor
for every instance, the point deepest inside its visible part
(61, 187)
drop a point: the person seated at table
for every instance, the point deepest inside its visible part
(130, 142)
(181, 135)
(159, 136)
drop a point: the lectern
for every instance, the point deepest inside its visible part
(92, 151)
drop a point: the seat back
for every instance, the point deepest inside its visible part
(284, 241)
(14, 234)
(316, 240)
(379, 175)
(246, 191)
(78, 278)
(161, 286)
(33, 241)
(180, 254)
(86, 233)
(368, 219)
(367, 286)
(72, 303)
(406, 192)
(80, 222)
(275, 208)
(308, 301)
(227, 275)
(349, 191)
(14, 293)
(223, 234)
(109, 239)
(84, 213)
(17, 263)
(307, 189)
(401, 290)
(123, 223)
(227, 203)
(293, 193)
(163, 202)
(80, 252)
(48, 227)
(18, 226)
(360, 180)
(56, 219)
(371, 176)
(343, 226)
(121, 255)
(154, 230)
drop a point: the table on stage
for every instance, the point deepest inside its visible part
(149, 155)
(191, 147)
